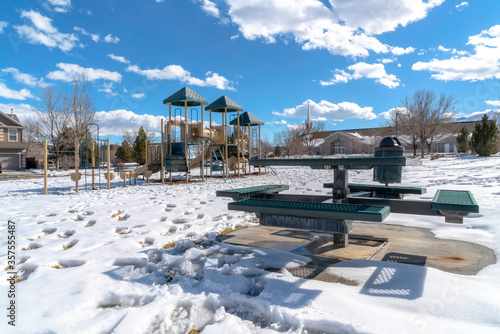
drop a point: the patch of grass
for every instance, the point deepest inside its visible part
(56, 266)
(62, 236)
(194, 331)
(116, 214)
(230, 230)
(65, 247)
(169, 244)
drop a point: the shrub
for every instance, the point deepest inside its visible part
(484, 139)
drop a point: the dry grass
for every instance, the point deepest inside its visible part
(169, 244)
(65, 247)
(116, 214)
(230, 230)
(33, 238)
(62, 236)
(56, 266)
(194, 331)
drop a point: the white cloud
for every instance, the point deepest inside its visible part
(108, 89)
(461, 6)
(112, 122)
(60, 6)
(3, 25)
(309, 22)
(138, 95)
(386, 60)
(282, 122)
(398, 51)
(379, 16)
(210, 8)
(328, 110)
(119, 58)
(453, 51)
(364, 70)
(43, 32)
(25, 78)
(8, 93)
(20, 109)
(483, 64)
(233, 37)
(111, 39)
(68, 71)
(390, 113)
(176, 72)
(493, 103)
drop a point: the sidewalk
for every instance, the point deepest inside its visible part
(18, 175)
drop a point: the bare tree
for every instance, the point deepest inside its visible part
(312, 137)
(423, 118)
(131, 135)
(30, 133)
(51, 122)
(290, 140)
(79, 105)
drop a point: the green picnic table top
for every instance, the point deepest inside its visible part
(348, 163)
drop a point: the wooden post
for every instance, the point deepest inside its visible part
(212, 151)
(77, 163)
(238, 139)
(45, 155)
(186, 138)
(200, 133)
(162, 166)
(169, 127)
(249, 148)
(92, 152)
(108, 162)
(260, 148)
(225, 142)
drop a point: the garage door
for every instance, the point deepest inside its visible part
(10, 161)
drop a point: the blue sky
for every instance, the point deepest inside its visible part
(353, 60)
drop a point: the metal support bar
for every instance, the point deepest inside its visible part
(398, 205)
(340, 184)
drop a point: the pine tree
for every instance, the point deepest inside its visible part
(124, 152)
(484, 139)
(139, 149)
(277, 151)
(463, 140)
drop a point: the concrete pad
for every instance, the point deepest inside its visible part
(380, 242)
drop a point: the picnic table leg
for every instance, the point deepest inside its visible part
(340, 190)
(340, 240)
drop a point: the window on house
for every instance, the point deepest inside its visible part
(338, 147)
(12, 134)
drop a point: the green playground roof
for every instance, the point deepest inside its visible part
(223, 104)
(247, 119)
(183, 95)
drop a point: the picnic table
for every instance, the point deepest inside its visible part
(334, 213)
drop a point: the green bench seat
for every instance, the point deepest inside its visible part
(248, 192)
(355, 187)
(372, 213)
(454, 200)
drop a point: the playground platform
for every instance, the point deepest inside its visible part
(378, 242)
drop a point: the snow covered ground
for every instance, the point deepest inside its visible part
(95, 262)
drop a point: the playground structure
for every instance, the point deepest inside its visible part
(188, 144)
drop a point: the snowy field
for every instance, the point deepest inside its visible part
(95, 262)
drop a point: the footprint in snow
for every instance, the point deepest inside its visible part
(51, 215)
(203, 202)
(69, 245)
(66, 234)
(91, 223)
(68, 263)
(72, 211)
(148, 241)
(162, 219)
(49, 230)
(122, 230)
(31, 246)
(171, 205)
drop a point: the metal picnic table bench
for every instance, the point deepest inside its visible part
(348, 202)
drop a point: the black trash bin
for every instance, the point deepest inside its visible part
(388, 147)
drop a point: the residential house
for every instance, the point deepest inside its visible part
(12, 146)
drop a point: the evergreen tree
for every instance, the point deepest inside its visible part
(124, 152)
(277, 151)
(139, 149)
(463, 140)
(484, 139)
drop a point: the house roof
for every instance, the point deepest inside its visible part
(247, 119)
(224, 104)
(7, 120)
(184, 95)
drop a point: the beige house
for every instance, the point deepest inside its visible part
(12, 146)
